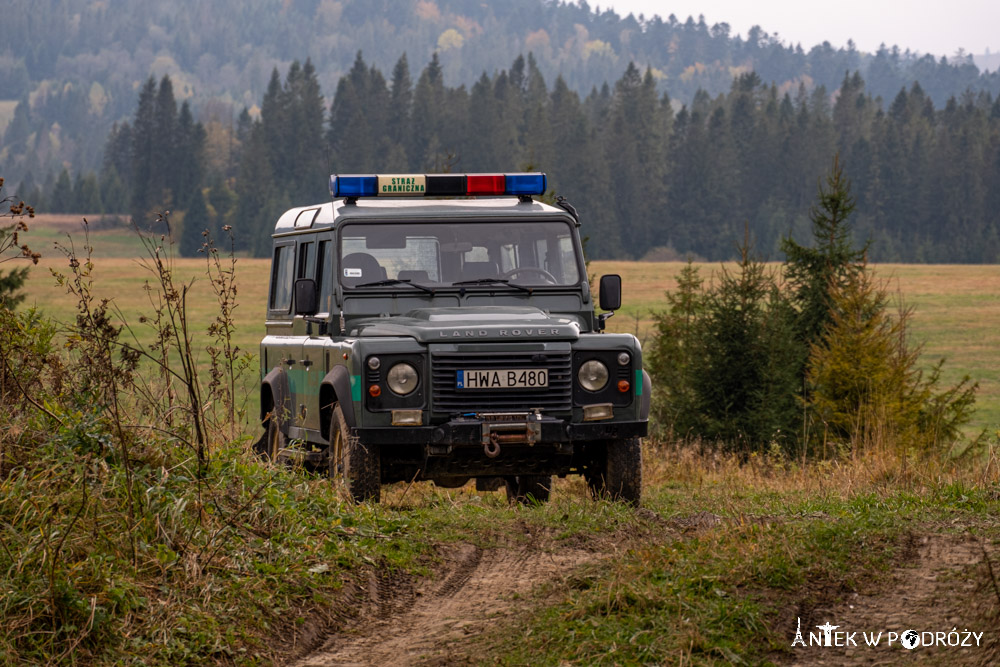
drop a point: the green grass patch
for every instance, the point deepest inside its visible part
(721, 593)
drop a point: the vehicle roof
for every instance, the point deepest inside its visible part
(336, 212)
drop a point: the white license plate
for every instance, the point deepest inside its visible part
(508, 378)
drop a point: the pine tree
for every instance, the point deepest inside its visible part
(187, 167)
(305, 109)
(670, 357)
(118, 153)
(635, 155)
(196, 222)
(866, 389)
(813, 273)
(166, 147)
(15, 137)
(62, 199)
(350, 134)
(87, 194)
(114, 194)
(576, 175)
(425, 145)
(745, 377)
(143, 156)
(400, 101)
(536, 126)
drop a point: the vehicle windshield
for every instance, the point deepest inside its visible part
(442, 254)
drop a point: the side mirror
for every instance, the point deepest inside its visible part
(611, 292)
(306, 297)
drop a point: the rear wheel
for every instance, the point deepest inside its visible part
(528, 488)
(357, 465)
(617, 473)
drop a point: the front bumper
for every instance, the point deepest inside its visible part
(463, 432)
(504, 445)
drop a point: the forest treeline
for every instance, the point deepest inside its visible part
(644, 177)
(69, 69)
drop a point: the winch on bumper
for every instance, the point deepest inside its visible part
(499, 443)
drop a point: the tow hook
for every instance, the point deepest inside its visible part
(492, 446)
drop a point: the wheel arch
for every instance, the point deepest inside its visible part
(275, 398)
(335, 388)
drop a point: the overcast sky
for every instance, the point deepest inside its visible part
(939, 28)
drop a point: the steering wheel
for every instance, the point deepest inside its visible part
(548, 277)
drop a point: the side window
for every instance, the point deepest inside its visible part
(567, 259)
(307, 260)
(325, 275)
(281, 278)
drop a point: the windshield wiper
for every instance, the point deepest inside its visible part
(493, 281)
(397, 281)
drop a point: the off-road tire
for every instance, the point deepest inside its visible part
(357, 465)
(618, 472)
(450, 482)
(489, 483)
(272, 442)
(529, 488)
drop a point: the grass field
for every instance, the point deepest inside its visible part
(957, 312)
(260, 564)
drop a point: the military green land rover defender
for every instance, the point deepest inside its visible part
(419, 338)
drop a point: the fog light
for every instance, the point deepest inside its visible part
(593, 413)
(407, 418)
(623, 386)
(374, 391)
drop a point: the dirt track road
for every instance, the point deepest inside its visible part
(938, 586)
(407, 626)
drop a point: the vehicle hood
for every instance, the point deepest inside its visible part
(483, 323)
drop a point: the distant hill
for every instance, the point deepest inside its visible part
(75, 65)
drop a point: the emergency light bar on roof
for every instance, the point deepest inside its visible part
(436, 185)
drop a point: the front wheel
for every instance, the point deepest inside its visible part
(358, 465)
(272, 442)
(528, 488)
(617, 474)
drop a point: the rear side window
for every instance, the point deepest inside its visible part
(307, 260)
(281, 278)
(325, 275)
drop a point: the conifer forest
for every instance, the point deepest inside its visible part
(663, 159)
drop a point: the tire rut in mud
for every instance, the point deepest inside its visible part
(403, 625)
(939, 586)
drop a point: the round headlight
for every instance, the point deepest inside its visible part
(402, 378)
(623, 358)
(593, 375)
(374, 363)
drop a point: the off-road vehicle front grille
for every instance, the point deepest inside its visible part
(558, 396)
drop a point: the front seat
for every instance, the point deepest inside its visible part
(360, 267)
(476, 270)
